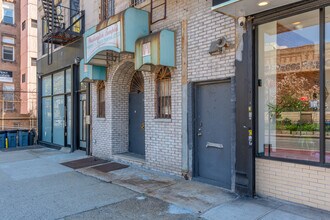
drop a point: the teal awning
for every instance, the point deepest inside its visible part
(115, 35)
(155, 49)
(92, 73)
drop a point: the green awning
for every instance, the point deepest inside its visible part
(155, 49)
(92, 73)
(115, 35)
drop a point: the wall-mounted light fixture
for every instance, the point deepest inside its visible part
(219, 45)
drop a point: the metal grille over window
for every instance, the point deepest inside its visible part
(108, 8)
(136, 2)
(8, 97)
(137, 84)
(163, 91)
(101, 100)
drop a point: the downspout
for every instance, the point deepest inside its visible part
(88, 119)
(73, 89)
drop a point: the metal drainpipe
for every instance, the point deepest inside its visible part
(73, 108)
(88, 122)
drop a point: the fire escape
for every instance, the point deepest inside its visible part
(61, 25)
(157, 9)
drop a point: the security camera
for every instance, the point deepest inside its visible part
(77, 60)
(241, 21)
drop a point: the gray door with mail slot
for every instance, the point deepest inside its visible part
(213, 132)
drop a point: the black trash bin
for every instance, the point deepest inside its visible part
(32, 135)
(23, 138)
(12, 138)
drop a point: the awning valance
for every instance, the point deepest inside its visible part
(241, 8)
(91, 73)
(116, 34)
(155, 49)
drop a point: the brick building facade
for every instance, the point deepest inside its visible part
(18, 101)
(164, 136)
(201, 111)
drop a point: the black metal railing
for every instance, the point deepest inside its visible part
(61, 25)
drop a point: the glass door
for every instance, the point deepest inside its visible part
(82, 120)
(58, 120)
(68, 121)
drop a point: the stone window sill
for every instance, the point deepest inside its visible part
(165, 120)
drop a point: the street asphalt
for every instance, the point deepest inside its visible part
(34, 185)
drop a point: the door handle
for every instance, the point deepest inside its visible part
(215, 145)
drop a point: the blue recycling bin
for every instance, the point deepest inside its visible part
(12, 138)
(2, 139)
(23, 138)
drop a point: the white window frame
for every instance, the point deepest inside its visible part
(8, 40)
(3, 53)
(9, 6)
(8, 91)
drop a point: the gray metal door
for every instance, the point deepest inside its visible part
(213, 134)
(136, 115)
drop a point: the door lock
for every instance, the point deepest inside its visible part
(199, 133)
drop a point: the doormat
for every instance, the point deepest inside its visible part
(82, 163)
(105, 168)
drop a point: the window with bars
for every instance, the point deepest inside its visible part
(8, 97)
(101, 99)
(163, 93)
(136, 2)
(107, 9)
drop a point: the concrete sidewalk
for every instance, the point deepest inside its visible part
(34, 185)
(203, 200)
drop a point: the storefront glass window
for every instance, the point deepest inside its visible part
(58, 83)
(58, 120)
(47, 119)
(68, 80)
(327, 83)
(46, 85)
(289, 90)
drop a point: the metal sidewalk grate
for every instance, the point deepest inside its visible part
(82, 163)
(105, 168)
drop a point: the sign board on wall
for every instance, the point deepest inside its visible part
(6, 76)
(103, 40)
(146, 49)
